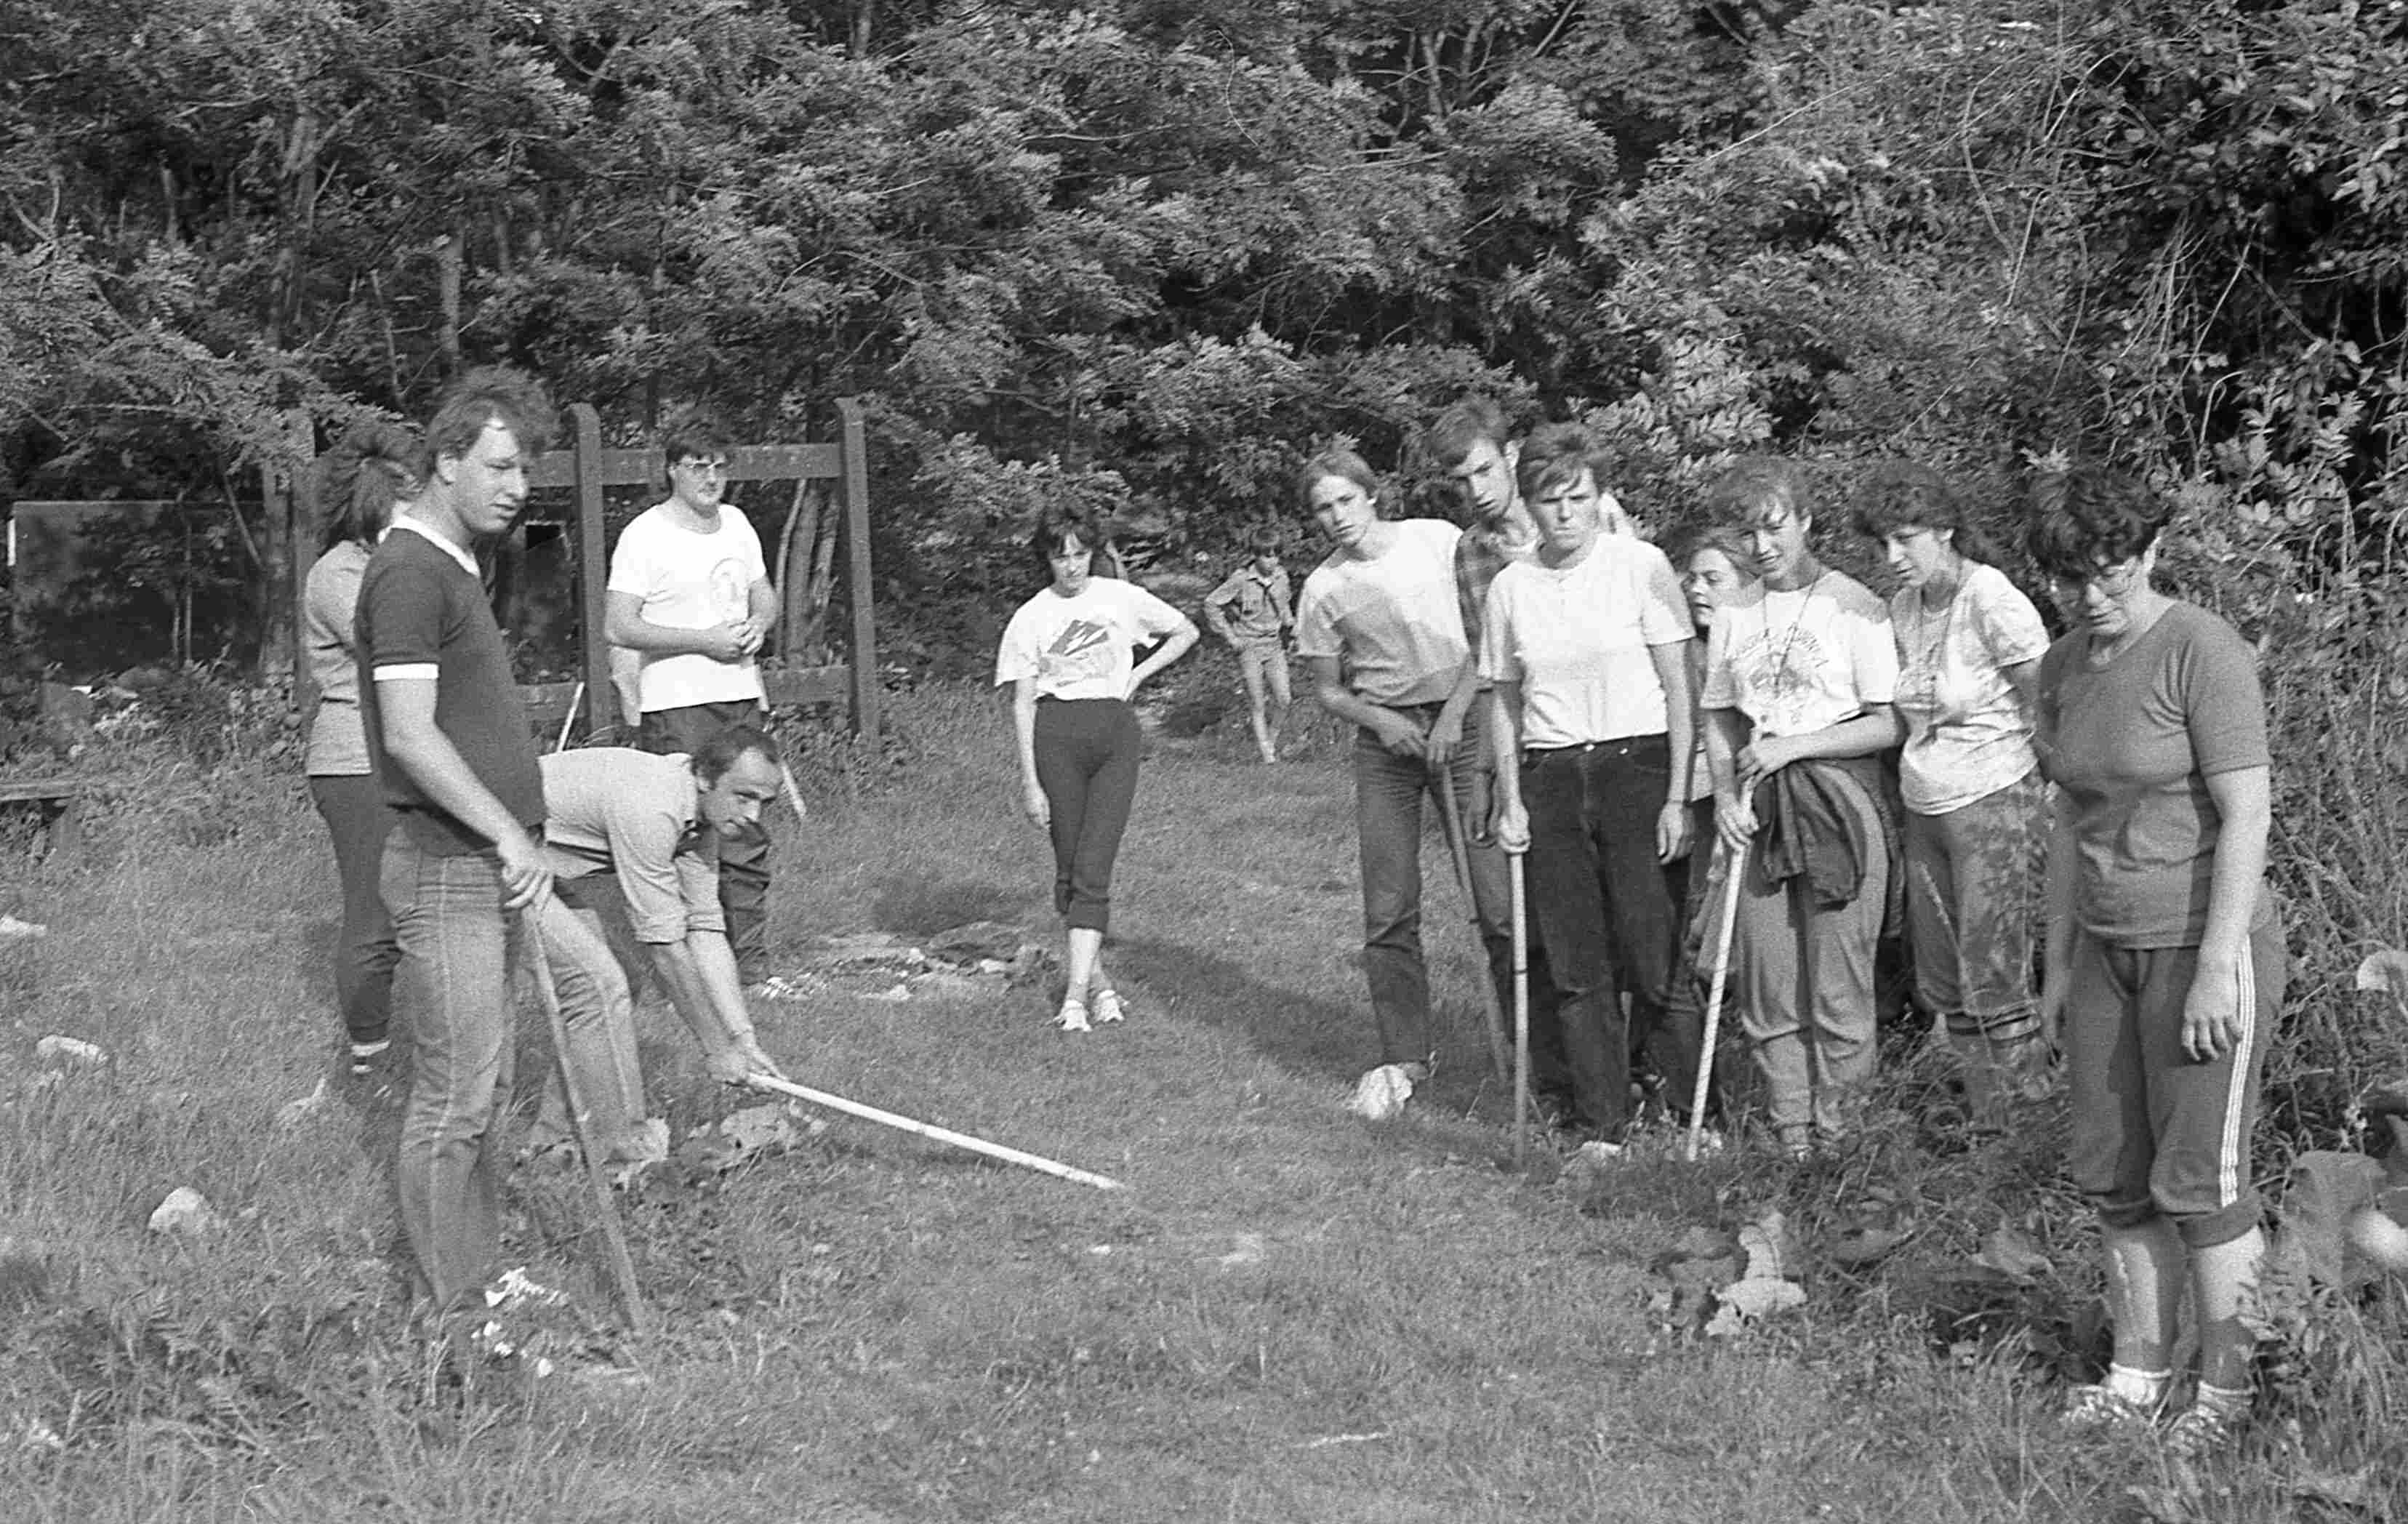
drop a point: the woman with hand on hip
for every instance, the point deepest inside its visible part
(1069, 655)
(1968, 649)
(364, 477)
(2165, 957)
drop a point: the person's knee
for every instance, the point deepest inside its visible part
(2123, 1210)
(2212, 1229)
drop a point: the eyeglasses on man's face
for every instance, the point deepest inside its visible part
(2111, 580)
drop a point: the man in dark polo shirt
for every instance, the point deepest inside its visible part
(448, 738)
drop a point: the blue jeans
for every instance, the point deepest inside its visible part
(454, 983)
(600, 1013)
(1388, 794)
(1610, 919)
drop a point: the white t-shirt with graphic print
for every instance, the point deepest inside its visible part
(1083, 647)
(1968, 734)
(690, 581)
(1803, 660)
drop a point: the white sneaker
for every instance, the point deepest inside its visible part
(1072, 1017)
(1597, 1151)
(1107, 1005)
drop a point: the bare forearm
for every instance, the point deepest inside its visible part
(2059, 899)
(1346, 704)
(1672, 663)
(1868, 733)
(1174, 645)
(1024, 727)
(637, 633)
(1727, 735)
(1505, 741)
(1458, 702)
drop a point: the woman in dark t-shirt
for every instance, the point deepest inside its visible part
(2165, 965)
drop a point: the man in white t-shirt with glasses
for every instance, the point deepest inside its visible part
(689, 593)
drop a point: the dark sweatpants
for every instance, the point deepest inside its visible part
(1087, 752)
(743, 854)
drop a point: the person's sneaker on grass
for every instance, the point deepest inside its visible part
(2126, 1401)
(1072, 1017)
(2209, 1425)
(1106, 1004)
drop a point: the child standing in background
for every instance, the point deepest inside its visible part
(1252, 613)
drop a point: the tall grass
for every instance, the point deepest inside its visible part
(1289, 1315)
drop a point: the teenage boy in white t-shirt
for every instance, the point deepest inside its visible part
(1382, 636)
(1586, 649)
(690, 595)
(1801, 673)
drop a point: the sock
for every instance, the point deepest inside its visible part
(2221, 1400)
(2145, 1387)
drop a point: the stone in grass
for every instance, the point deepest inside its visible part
(1742, 1302)
(185, 1213)
(70, 1052)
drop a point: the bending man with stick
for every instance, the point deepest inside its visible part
(643, 830)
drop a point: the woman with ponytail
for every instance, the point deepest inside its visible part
(362, 480)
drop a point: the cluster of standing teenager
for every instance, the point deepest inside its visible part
(1562, 689)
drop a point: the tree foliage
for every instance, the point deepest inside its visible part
(1146, 251)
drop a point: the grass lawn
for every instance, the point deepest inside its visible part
(1288, 1316)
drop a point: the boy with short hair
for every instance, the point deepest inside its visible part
(1250, 609)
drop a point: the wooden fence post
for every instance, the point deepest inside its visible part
(859, 592)
(592, 572)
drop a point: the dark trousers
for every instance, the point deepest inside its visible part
(1087, 754)
(354, 811)
(1389, 793)
(1607, 911)
(744, 852)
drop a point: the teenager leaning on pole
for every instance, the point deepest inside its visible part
(1382, 636)
(1586, 649)
(1801, 672)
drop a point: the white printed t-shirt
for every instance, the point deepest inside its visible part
(1967, 732)
(1393, 619)
(1577, 639)
(1083, 647)
(691, 582)
(1803, 660)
